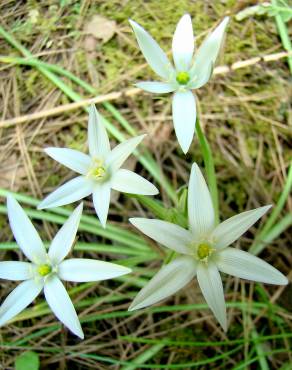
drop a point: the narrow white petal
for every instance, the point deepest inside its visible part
(207, 53)
(24, 232)
(183, 43)
(61, 304)
(198, 81)
(122, 151)
(72, 191)
(200, 207)
(184, 117)
(83, 270)
(101, 201)
(211, 285)
(19, 299)
(73, 159)
(156, 87)
(246, 266)
(98, 141)
(64, 238)
(232, 228)
(152, 52)
(15, 270)
(169, 279)
(129, 182)
(170, 235)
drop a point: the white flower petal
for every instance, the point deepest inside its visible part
(211, 285)
(198, 81)
(24, 232)
(19, 299)
(207, 53)
(200, 207)
(152, 52)
(184, 117)
(232, 228)
(15, 270)
(72, 191)
(101, 201)
(129, 182)
(169, 279)
(183, 43)
(73, 159)
(83, 270)
(156, 87)
(98, 141)
(61, 304)
(170, 235)
(64, 238)
(122, 151)
(246, 266)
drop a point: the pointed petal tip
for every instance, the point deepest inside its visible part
(224, 326)
(41, 206)
(285, 281)
(134, 24)
(80, 334)
(135, 220)
(127, 270)
(134, 307)
(155, 191)
(79, 208)
(141, 137)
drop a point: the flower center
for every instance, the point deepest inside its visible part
(183, 78)
(204, 251)
(97, 170)
(44, 270)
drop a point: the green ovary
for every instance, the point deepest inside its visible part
(183, 78)
(44, 270)
(204, 251)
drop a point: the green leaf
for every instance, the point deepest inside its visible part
(27, 361)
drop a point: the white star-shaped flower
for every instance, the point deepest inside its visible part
(100, 171)
(47, 269)
(204, 251)
(186, 73)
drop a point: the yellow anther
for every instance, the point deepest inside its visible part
(183, 78)
(204, 251)
(97, 170)
(44, 270)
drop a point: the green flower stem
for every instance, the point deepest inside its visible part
(210, 168)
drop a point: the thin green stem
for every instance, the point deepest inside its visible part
(284, 34)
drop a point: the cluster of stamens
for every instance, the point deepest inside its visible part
(97, 170)
(183, 78)
(202, 251)
(44, 270)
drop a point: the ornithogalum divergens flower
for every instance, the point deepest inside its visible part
(186, 74)
(99, 171)
(48, 268)
(204, 251)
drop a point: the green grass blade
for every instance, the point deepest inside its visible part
(145, 356)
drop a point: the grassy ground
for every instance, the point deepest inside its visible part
(246, 114)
